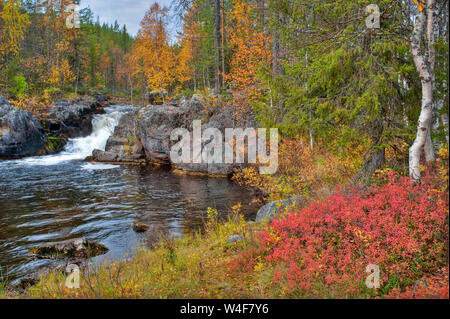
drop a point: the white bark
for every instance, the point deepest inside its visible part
(425, 66)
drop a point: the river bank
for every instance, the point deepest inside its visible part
(317, 250)
(56, 197)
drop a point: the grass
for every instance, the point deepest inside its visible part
(195, 266)
(3, 283)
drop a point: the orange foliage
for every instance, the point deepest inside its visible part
(13, 22)
(302, 171)
(153, 56)
(251, 50)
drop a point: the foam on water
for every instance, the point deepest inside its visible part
(99, 166)
(103, 126)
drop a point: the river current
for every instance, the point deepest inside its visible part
(58, 197)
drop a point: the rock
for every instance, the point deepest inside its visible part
(235, 239)
(195, 104)
(27, 281)
(154, 126)
(123, 145)
(102, 99)
(74, 117)
(102, 156)
(21, 134)
(79, 248)
(33, 279)
(69, 119)
(270, 210)
(144, 136)
(140, 227)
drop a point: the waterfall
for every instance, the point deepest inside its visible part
(103, 126)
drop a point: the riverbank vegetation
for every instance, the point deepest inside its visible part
(319, 251)
(362, 113)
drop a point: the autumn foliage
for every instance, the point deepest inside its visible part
(251, 51)
(303, 171)
(401, 226)
(153, 58)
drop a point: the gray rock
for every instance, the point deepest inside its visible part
(154, 126)
(33, 278)
(102, 156)
(78, 248)
(69, 119)
(21, 134)
(270, 210)
(145, 135)
(75, 116)
(102, 99)
(124, 145)
(235, 239)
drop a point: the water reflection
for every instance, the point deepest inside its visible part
(41, 204)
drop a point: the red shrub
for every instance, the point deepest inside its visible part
(400, 226)
(431, 287)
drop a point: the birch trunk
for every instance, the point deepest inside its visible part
(425, 66)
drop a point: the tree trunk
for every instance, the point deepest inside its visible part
(261, 13)
(375, 161)
(223, 40)
(217, 46)
(425, 66)
(143, 90)
(278, 55)
(131, 87)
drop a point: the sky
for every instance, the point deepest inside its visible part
(128, 12)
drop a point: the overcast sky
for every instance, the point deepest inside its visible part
(128, 12)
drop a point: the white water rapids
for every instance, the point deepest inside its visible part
(103, 126)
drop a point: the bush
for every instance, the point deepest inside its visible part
(19, 86)
(401, 226)
(304, 172)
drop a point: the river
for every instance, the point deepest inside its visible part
(58, 197)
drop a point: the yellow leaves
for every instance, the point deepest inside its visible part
(61, 74)
(153, 57)
(421, 4)
(259, 267)
(236, 209)
(443, 152)
(13, 22)
(251, 50)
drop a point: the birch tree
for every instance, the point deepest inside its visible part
(424, 60)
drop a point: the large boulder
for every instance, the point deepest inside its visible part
(154, 126)
(124, 145)
(102, 99)
(21, 133)
(145, 135)
(272, 209)
(72, 118)
(69, 119)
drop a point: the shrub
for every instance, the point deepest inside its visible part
(401, 226)
(305, 172)
(19, 86)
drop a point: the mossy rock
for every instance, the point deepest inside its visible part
(140, 227)
(73, 248)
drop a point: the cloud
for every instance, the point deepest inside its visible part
(128, 12)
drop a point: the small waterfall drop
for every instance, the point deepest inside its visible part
(103, 126)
